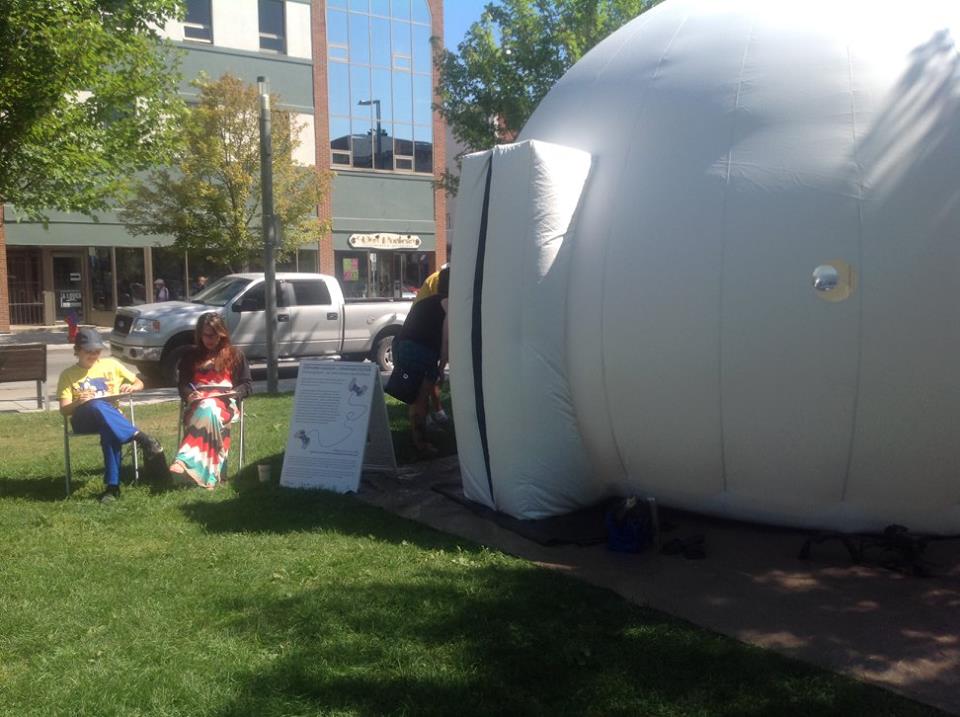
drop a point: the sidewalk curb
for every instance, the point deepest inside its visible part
(55, 337)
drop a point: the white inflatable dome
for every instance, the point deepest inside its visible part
(722, 268)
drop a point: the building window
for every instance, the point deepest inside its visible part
(131, 289)
(273, 37)
(170, 266)
(101, 277)
(380, 84)
(198, 24)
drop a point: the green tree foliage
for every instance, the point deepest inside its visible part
(209, 198)
(87, 92)
(513, 55)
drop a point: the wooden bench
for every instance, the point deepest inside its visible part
(25, 362)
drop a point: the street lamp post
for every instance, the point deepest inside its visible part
(376, 103)
(269, 233)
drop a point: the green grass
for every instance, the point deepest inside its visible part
(254, 600)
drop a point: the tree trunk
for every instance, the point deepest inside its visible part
(4, 283)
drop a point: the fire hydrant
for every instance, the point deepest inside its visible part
(72, 322)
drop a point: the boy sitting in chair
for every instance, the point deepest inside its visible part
(81, 389)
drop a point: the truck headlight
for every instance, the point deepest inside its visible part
(145, 326)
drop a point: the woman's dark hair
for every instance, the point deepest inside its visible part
(224, 355)
(443, 282)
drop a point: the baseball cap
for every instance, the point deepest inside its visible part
(88, 340)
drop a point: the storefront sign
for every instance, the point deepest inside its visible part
(351, 269)
(70, 299)
(384, 240)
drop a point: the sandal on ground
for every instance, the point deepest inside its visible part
(427, 450)
(691, 548)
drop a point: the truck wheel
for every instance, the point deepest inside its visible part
(170, 362)
(383, 353)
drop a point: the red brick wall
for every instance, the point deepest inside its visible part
(439, 150)
(4, 284)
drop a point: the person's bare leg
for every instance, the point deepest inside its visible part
(418, 418)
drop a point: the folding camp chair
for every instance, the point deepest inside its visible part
(238, 419)
(68, 432)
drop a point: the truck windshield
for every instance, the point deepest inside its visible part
(220, 292)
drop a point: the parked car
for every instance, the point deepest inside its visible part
(313, 319)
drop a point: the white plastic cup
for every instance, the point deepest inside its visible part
(654, 520)
(263, 470)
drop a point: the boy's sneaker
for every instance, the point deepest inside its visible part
(109, 495)
(440, 417)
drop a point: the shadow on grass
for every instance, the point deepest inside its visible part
(53, 488)
(512, 640)
(267, 508)
(38, 489)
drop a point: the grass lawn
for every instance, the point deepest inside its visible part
(254, 600)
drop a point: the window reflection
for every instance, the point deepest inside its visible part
(380, 33)
(401, 9)
(422, 99)
(422, 51)
(390, 69)
(362, 144)
(359, 89)
(340, 133)
(423, 149)
(421, 11)
(381, 90)
(359, 39)
(337, 28)
(401, 39)
(402, 98)
(338, 79)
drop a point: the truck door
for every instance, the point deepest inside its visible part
(249, 325)
(315, 322)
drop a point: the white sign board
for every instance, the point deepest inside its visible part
(339, 427)
(384, 240)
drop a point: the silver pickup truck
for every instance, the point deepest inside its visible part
(313, 319)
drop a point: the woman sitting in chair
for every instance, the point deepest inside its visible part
(214, 378)
(105, 379)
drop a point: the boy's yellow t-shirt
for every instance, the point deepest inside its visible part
(105, 378)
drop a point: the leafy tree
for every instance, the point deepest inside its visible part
(209, 198)
(87, 92)
(513, 55)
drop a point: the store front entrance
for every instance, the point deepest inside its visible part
(68, 285)
(381, 274)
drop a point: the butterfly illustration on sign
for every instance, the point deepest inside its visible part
(355, 399)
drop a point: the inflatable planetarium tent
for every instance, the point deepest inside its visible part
(721, 267)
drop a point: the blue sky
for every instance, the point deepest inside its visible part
(458, 15)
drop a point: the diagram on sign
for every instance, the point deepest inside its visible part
(335, 433)
(331, 431)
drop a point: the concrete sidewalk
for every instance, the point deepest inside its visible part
(55, 337)
(878, 625)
